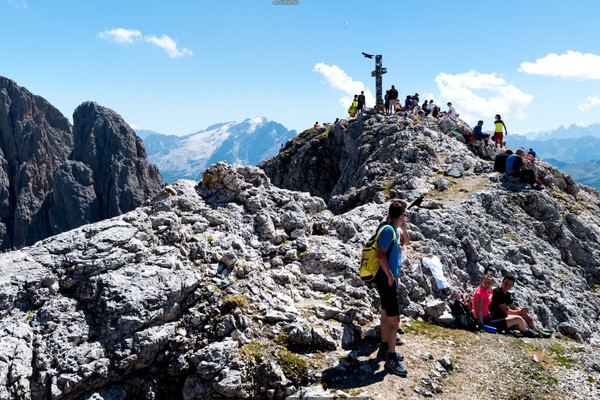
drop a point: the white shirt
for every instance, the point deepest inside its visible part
(451, 112)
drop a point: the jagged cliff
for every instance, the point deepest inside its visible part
(56, 177)
(237, 288)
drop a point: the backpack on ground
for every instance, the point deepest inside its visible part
(368, 258)
(463, 317)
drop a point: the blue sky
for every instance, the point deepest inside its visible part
(178, 66)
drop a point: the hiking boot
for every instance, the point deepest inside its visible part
(544, 333)
(531, 334)
(382, 353)
(394, 366)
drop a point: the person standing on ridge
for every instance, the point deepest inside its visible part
(385, 280)
(499, 131)
(393, 100)
(361, 102)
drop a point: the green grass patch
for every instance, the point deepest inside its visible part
(302, 254)
(294, 366)
(254, 351)
(236, 301)
(432, 331)
(281, 339)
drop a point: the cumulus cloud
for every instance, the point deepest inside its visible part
(588, 103)
(131, 36)
(571, 64)
(477, 96)
(169, 45)
(338, 79)
(121, 35)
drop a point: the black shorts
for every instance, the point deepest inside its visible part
(388, 294)
(499, 324)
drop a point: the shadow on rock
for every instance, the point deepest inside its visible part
(353, 373)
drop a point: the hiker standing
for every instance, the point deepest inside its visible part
(387, 288)
(361, 102)
(499, 131)
(393, 100)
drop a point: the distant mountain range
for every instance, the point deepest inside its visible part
(185, 157)
(575, 150)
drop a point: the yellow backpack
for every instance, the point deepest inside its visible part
(368, 258)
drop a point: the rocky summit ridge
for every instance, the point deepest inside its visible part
(245, 284)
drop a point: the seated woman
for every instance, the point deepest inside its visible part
(481, 301)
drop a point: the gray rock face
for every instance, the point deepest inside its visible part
(35, 138)
(122, 177)
(220, 289)
(54, 177)
(194, 295)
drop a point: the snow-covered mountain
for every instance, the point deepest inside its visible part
(185, 157)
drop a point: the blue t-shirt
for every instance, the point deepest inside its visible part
(477, 132)
(385, 241)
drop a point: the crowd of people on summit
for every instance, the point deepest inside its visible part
(493, 308)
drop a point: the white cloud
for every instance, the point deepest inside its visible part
(18, 4)
(169, 45)
(338, 79)
(588, 103)
(571, 64)
(121, 35)
(478, 96)
(131, 36)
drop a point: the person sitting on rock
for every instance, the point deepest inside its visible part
(478, 133)
(481, 302)
(502, 306)
(516, 166)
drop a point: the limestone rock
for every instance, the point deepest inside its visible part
(54, 177)
(223, 288)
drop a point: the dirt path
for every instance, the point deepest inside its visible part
(484, 365)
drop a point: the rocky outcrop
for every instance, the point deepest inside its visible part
(108, 173)
(55, 177)
(350, 164)
(35, 138)
(234, 288)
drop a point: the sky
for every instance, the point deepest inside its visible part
(179, 66)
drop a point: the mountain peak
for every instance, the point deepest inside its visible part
(238, 287)
(247, 142)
